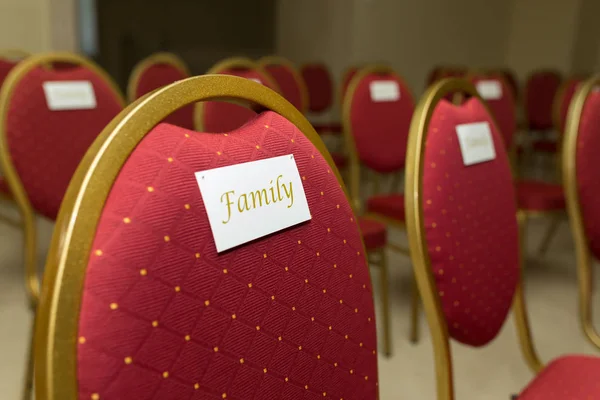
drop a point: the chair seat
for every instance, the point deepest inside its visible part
(545, 146)
(374, 233)
(388, 205)
(570, 377)
(540, 196)
(339, 159)
(331, 128)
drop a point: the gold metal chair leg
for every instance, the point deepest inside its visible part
(552, 229)
(414, 312)
(29, 368)
(387, 337)
(32, 280)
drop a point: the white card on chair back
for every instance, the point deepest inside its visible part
(384, 91)
(476, 142)
(489, 89)
(251, 200)
(69, 95)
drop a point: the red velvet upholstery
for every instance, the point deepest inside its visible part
(569, 91)
(503, 109)
(470, 226)
(570, 377)
(540, 90)
(588, 147)
(389, 205)
(320, 87)
(46, 146)
(374, 233)
(219, 116)
(288, 316)
(157, 76)
(540, 196)
(5, 67)
(380, 129)
(289, 86)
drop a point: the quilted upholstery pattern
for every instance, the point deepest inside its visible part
(570, 377)
(165, 317)
(380, 129)
(5, 67)
(540, 196)
(389, 205)
(157, 76)
(470, 227)
(374, 233)
(289, 86)
(46, 146)
(570, 88)
(503, 109)
(540, 90)
(588, 145)
(219, 116)
(320, 87)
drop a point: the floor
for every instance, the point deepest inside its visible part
(494, 372)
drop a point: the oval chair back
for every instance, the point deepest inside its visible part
(540, 89)
(462, 225)
(138, 303)
(156, 71)
(288, 79)
(40, 145)
(8, 60)
(221, 116)
(562, 102)
(320, 87)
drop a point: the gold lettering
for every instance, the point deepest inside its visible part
(259, 194)
(245, 206)
(289, 195)
(229, 203)
(273, 199)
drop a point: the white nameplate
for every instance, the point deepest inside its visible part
(251, 200)
(69, 95)
(489, 90)
(476, 142)
(384, 91)
(256, 80)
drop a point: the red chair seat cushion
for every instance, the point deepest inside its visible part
(540, 196)
(332, 128)
(289, 315)
(339, 159)
(374, 233)
(570, 377)
(388, 205)
(545, 146)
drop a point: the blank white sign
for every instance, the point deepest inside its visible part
(476, 142)
(69, 95)
(489, 89)
(384, 91)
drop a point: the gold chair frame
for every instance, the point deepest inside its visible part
(284, 62)
(354, 170)
(58, 316)
(163, 58)
(231, 63)
(418, 244)
(569, 168)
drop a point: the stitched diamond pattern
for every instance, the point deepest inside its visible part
(165, 317)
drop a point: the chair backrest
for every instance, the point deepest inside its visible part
(442, 72)
(221, 116)
(40, 148)
(346, 79)
(320, 86)
(8, 60)
(376, 117)
(288, 79)
(562, 101)
(156, 71)
(499, 97)
(461, 224)
(136, 287)
(580, 179)
(540, 88)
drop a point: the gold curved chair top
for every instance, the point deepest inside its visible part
(163, 58)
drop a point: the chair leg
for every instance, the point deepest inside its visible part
(32, 280)
(387, 337)
(414, 312)
(549, 235)
(29, 368)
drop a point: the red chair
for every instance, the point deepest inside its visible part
(540, 89)
(464, 240)
(346, 79)
(139, 304)
(156, 71)
(376, 132)
(40, 148)
(320, 93)
(288, 79)
(580, 176)
(221, 116)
